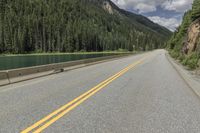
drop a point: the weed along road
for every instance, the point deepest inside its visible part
(141, 93)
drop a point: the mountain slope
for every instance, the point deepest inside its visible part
(142, 21)
(185, 43)
(74, 25)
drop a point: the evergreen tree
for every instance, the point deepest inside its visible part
(73, 25)
(196, 9)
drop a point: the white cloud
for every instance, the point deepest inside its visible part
(178, 5)
(120, 3)
(144, 6)
(170, 23)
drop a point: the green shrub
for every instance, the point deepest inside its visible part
(181, 58)
(191, 61)
(174, 54)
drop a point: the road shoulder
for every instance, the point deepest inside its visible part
(192, 80)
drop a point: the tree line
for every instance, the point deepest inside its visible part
(69, 26)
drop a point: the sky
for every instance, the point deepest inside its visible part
(167, 13)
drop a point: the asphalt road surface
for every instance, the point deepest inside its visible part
(137, 94)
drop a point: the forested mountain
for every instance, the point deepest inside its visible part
(74, 25)
(185, 42)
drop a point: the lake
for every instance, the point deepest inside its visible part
(13, 62)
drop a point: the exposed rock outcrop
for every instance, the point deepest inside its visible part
(107, 7)
(193, 38)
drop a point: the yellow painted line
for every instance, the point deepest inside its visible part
(54, 116)
(65, 106)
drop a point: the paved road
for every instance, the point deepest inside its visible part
(147, 97)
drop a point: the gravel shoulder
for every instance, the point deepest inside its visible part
(191, 78)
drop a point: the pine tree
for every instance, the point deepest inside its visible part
(196, 9)
(71, 25)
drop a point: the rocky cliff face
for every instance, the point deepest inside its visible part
(192, 43)
(107, 7)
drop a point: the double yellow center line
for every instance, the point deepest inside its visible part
(57, 114)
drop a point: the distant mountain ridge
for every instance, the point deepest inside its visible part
(137, 18)
(143, 20)
(75, 25)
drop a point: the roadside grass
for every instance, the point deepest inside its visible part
(120, 51)
(190, 61)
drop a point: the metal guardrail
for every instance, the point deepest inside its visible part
(22, 74)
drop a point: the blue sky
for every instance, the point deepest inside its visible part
(167, 13)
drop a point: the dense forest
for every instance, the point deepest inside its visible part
(185, 42)
(74, 25)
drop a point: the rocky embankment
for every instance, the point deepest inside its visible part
(192, 43)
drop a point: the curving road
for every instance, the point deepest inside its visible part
(141, 94)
